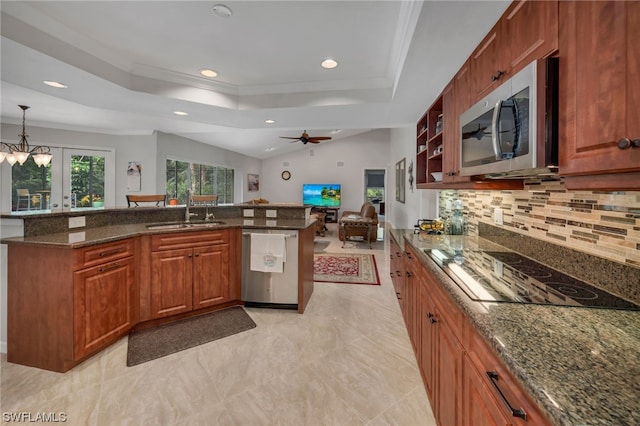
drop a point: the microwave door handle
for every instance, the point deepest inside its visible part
(495, 130)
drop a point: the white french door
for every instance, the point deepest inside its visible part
(82, 179)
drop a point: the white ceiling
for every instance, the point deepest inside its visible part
(129, 64)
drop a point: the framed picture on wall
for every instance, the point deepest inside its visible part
(400, 177)
(253, 182)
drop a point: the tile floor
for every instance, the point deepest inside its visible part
(346, 361)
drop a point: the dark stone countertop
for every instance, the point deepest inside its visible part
(580, 365)
(81, 237)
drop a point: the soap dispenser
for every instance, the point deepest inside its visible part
(456, 226)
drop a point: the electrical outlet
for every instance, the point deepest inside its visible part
(77, 222)
(247, 212)
(272, 213)
(498, 216)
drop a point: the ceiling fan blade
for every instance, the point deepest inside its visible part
(313, 141)
(319, 138)
(286, 137)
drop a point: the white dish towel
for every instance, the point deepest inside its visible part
(268, 252)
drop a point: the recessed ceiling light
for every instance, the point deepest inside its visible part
(55, 84)
(271, 148)
(180, 113)
(208, 73)
(269, 121)
(221, 11)
(336, 131)
(329, 64)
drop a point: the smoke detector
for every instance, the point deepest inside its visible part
(221, 11)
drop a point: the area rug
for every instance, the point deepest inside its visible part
(345, 268)
(152, 343)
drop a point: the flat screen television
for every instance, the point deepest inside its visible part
(321, 194)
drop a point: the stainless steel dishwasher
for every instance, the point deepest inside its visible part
(271, 289)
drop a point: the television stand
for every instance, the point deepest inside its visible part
(331, 213)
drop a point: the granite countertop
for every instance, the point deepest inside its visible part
(81, 237)
(580, 365)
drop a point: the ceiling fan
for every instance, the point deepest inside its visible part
(305, 138)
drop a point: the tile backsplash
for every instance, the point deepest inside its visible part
(603, 224)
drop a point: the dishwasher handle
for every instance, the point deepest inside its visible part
(247, 234)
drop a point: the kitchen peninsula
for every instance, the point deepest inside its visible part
(73, 292)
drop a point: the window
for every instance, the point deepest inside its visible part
(201, 179)
(37, 183)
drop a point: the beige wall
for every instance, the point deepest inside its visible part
(604, 224)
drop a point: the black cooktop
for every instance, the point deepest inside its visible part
(493, 276)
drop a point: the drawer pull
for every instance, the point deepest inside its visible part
(108, 268)
(432, 318)
(110, 252)
(515, 412)
(409, 274)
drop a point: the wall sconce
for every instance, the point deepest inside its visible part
(20, 152)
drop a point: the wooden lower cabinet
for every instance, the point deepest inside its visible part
(454, 359)
(104, 299)
(448, 391)
(192, 271)
(479, 406)
(66, 304)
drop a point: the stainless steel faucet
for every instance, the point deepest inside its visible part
(187, 214)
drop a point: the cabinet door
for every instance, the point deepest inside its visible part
(427, 351)
(488, 66)
(210, 276)
(449, 381)
(599, 96)
(530, 32)
(171, 282)
(104, 309)
(480, 409)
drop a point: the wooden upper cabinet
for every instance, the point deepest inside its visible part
(599, 91)
(528, 30)
(455, 100)
(488, 66)
(531, 29)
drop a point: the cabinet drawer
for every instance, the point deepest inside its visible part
(189, 239)
(95, 255)
(504, 389)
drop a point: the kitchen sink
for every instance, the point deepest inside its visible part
(183, 225)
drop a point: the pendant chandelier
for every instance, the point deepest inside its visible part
(20, 152)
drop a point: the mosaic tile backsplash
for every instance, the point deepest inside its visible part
(603, 224)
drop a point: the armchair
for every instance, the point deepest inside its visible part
(363, 223)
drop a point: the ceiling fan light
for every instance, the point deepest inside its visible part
(329, 64)
(21, 156)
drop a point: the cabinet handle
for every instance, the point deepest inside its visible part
(107, 268)
(515, 412)
(109, 252)
(197, 254)
(625, 143)
(398, 274)
(409, 274)
(408, 254)
(432, 318)
(398, 295)
(451, 173)
(190, 255)
(497, 75)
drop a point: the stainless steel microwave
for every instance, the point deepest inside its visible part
(501, 135)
